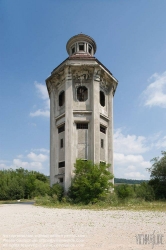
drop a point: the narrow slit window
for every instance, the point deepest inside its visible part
(102, 98)
(61, 143)
(62, 98)
(102, 143)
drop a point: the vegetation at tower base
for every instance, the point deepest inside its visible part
(158, 176)
(23, 184)
(91, 182)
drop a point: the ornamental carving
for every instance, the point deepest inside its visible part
(81, 76)
(104, 84)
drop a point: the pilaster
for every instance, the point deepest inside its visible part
(69, 144)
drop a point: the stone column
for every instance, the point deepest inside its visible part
(110, 132)
(52, 137)
(95, 144)
(69, 144)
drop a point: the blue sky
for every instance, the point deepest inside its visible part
(131, 43)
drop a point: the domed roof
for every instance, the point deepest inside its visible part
(81, 39)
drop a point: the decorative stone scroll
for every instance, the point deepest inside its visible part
(82, 75)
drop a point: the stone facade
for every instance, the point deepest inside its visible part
(81, 91)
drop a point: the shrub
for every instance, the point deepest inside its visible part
(124, 191)
(90, 183)
(145, 191)
(57, 191)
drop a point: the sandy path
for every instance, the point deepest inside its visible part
(32, 227)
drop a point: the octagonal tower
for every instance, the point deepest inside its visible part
(81, 91)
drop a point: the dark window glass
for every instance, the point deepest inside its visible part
(61, 143)
(82, 93)
(82, 125)
(102, 129)
(102, 143)
(61, 164)
(102, 98)
(61, 98)
(61, 129)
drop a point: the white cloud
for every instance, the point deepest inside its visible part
(128, 160)
(42, 90)
(155, 93)
(40, 150)
(17, 163)
(43, 94)
(161, 143)
(40, 112)
(37, 158)
(134, 175)
(129, 144)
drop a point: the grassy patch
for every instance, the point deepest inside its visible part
(130, 204)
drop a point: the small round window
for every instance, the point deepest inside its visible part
(82, 94)
(102, 98)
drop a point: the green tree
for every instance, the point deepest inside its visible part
(158, 176)
(124, 191)
(90, 183)
(145, 191)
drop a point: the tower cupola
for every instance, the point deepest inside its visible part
(81, 45)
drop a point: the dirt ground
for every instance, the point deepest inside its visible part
(32, 227)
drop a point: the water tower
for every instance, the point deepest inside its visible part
(81, 91)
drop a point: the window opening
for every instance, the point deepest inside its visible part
(81, 47)
(61, 143)
(61, 129)
(102, 143)
(73, 50)
(89, 49)
(61, 180)
(102, 129)
(61, 164)
(61, 98)
(82, 94)
(82, 125)
(102, 98)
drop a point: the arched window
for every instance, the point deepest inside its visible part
(82, 94)
(62, 98)
(102, 98)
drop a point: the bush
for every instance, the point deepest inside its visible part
(145, 191)
(90, 183)
(124, 191)
(57, 191)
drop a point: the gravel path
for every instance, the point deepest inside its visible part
(32, 227)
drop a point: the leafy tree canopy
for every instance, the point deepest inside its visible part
(91, 182)
(158, 176)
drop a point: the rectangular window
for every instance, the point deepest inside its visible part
(102, 129)
(81, 46)
(61, 164)
(82, 125)
(61, 129)
(61, 180)
(102, 143)
(61, 143)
